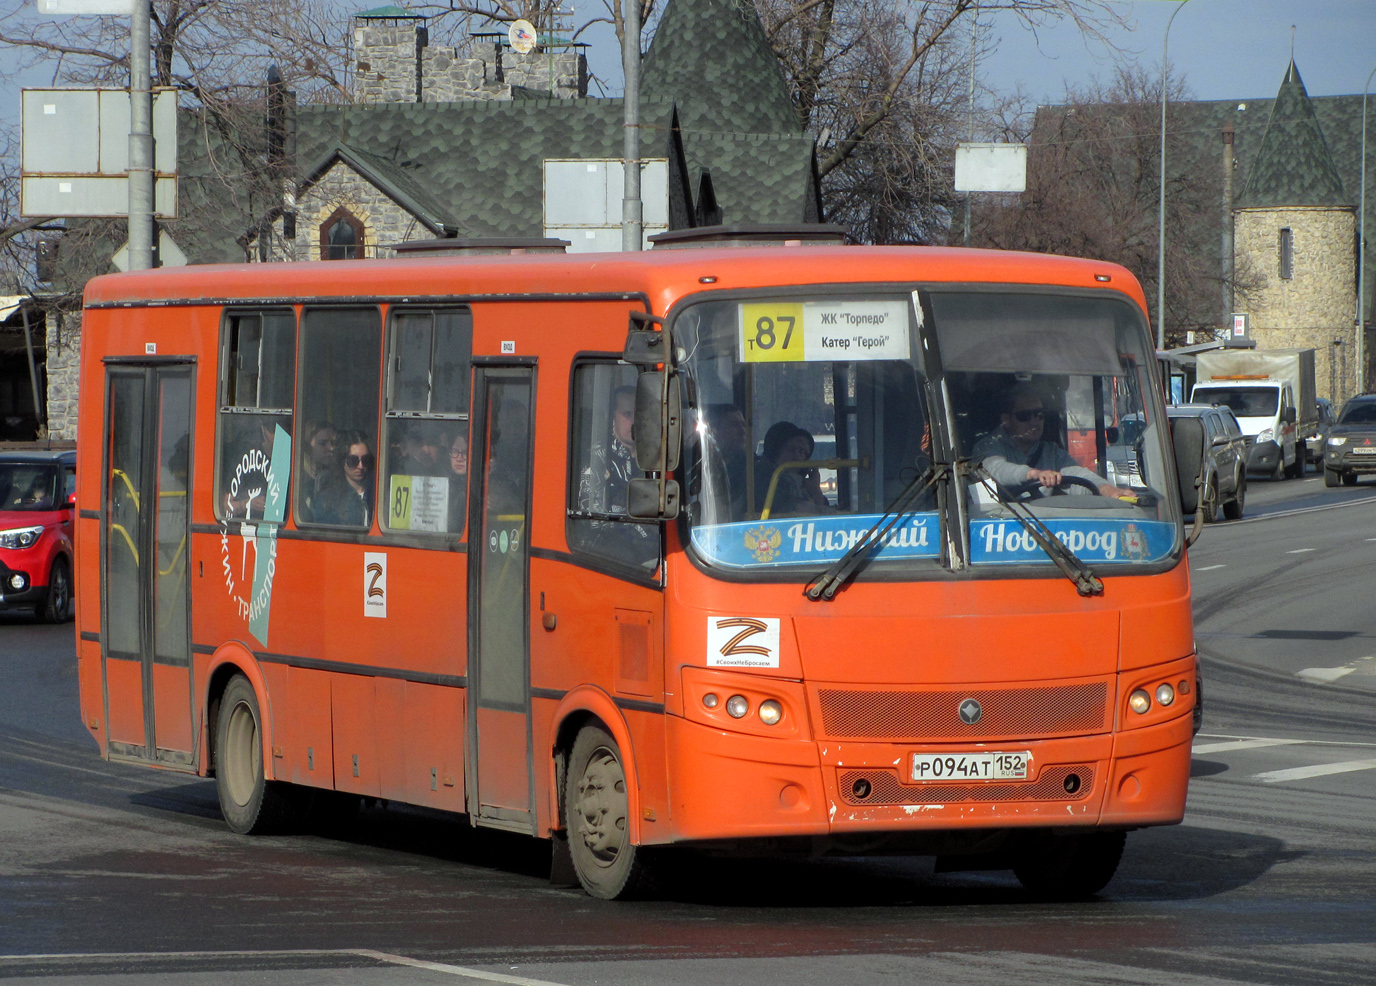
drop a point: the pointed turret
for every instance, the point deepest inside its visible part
(1293, 166)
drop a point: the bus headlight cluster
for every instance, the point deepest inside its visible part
(770, 711)
(1140, 700)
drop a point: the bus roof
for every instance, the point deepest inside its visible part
(661, 275)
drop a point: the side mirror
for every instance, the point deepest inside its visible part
(642, 499)
(658, 417)
(646, 345)
(1288, 415)
(1111, 434)
(1219, 440)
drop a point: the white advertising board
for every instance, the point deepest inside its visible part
(74, 8)
(991, 168)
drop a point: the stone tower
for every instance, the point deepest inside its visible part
(1295, 230)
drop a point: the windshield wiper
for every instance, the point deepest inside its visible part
(826, 585)
(1070, 564)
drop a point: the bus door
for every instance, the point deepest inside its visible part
(501, 792)
(145, 615)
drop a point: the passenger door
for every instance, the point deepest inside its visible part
(145, 540)
(501, 793)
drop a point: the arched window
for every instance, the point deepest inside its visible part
(341, 236)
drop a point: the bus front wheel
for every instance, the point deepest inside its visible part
(597, 814)
(1069, 866)
(249, 802)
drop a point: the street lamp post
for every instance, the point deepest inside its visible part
(1161, 205)
(1361, 252)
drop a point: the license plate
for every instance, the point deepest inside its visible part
(970, 766)
(1363, 450)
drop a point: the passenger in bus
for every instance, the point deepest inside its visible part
(797, 491)
(421, 446)
(1016, 453)
(346, 497)
(726, 458)
(458, 479)
(604, 485)
(317, 462)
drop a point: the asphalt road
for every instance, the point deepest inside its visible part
(113, 875)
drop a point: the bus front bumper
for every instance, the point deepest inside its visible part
(728, 786)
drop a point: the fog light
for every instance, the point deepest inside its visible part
(1165, 694)
(737, 706)
(710, 700)
(770, 712)
(1139, 701)
(17, 581)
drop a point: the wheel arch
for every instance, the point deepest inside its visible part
(584, 706)
(231, 658)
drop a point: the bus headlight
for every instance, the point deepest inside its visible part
(737, 706)
(771, 712)
(1165, 694)
(710, 700)
(1139, 701)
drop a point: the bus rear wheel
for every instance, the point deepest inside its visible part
(1069, 866)
(597, 813)
(250, 804)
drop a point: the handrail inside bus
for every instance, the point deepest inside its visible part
(127, 540)
(806, 464)
(130, 486)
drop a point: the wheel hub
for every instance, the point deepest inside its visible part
(602, 807)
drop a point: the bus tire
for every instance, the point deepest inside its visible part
(250, 804)
(597, 814)
(1069, 867)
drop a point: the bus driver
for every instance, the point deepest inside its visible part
(1015, 454)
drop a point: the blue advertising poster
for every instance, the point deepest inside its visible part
(780, 542)
(1007, 542)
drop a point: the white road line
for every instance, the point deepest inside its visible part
(1324, 675)
(1318, 770)
(1315, 742)
(1300, 510)
(1209, 568)
(1300, 551)
(366, 953)
(1243, 744)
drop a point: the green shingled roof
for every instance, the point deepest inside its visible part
(712, 58)
(1293, 166)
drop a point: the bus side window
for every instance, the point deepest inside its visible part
(601, 464)
(258, 372)
(425, 462)
(341, 357)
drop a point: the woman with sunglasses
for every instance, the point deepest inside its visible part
(347, 497)
(1016, 455)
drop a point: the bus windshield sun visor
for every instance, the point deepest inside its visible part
(827, 584)
(1086, 582)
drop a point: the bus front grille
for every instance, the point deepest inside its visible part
(882, 787)
(1022, 713)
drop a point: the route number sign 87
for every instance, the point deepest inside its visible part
(772, 333)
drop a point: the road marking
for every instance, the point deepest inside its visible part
(1324, 675)
(1243, 744)
(1300, 551)
(1209, 568)
(1315, 742)
(1299, 510)
(365, 953)
(1318, 770)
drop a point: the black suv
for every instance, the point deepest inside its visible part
(1351, 448)
(1210, 447)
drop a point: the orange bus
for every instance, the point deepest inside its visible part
(729, 540)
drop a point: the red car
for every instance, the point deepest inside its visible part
(37, 500)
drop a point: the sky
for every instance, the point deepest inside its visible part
(1225, 49)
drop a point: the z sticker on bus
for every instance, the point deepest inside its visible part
(375, 584)
(742, 642)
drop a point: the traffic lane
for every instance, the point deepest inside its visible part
(161, 873)
(1267, 497)
(1291, 594)
(38, 661)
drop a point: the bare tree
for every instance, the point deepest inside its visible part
(1093, 190)
(881, 81)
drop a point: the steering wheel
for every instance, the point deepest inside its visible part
(1032, 489)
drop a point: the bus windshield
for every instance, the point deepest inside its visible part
(809, 416)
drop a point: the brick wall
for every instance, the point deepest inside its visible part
(384, 222)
